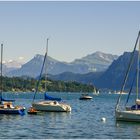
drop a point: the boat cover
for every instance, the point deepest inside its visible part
(135, 107)
(47, 97)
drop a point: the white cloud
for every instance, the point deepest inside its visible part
(21, 58)
(10, 60)
(3, 62)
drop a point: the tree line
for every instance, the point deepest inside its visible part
(24, 84)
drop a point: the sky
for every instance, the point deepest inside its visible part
(75, 29)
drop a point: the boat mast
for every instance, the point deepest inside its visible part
(46, 65)
(43, 65)
(127, 72)
(138, 61)
(1, 71)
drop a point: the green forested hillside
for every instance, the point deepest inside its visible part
(29, 84)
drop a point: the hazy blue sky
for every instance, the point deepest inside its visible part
(75, 28)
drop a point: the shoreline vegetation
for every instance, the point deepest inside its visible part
(26, 84)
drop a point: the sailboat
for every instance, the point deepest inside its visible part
(49, 103)
(130, 113)
(96, 92)
(6, 105)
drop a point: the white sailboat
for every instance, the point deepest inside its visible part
(96, 92)
(51, 104)
(130, 113)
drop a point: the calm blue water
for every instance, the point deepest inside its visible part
(83, 122)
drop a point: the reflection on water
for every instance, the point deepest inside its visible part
(127, 128)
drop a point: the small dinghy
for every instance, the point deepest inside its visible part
(32, 111)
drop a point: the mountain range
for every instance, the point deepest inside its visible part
(105, 71)
(95, 62)
(112, 78)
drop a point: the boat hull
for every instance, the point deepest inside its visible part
(85, 98)
(12, 111)
(32, 111)
(51, 106)
(131, 115)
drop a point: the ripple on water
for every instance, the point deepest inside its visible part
(83, 122)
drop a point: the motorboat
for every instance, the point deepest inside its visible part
(85, 97)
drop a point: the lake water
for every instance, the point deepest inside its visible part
(84, 121)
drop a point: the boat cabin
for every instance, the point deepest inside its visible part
(8, 105)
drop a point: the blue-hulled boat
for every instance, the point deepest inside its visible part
(6, 106)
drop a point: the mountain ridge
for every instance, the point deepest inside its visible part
(90, 63)
(112, 78)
